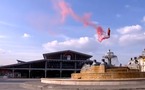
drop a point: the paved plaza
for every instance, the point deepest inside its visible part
(11, 86)
(15, 84)
(35, 84)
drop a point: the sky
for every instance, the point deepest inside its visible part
(29, 28)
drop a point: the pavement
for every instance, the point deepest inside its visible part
(35, 84)
(15, 84)
(42, 86)
(9, 86)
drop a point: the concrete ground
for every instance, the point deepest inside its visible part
(35, 84)
(15, 84)
(10, 86)
(42, 86)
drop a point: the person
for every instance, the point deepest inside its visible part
(120, 65)
(105, 64)
(95, 63)
(135, 60)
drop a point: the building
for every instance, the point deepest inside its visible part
(55, 64)
(138, 62)
(141, 60)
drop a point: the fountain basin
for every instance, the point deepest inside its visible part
(132, 81)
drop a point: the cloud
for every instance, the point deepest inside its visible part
(63, 37)
(84, 44)
(3, 36)
(9, 57)
(132, 39)
(131, 35)
(113, 40)
(129, 29)
(25, 35)
(143, 20)
(7, 24)
(2, 51)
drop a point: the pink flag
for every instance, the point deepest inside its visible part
(65, 10)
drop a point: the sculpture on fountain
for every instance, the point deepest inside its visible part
(107, 71)
(138, 62)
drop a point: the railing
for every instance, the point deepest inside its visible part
(51, 63)
(65, 60)
(42, 69)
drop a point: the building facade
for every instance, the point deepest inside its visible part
(54, 65)
(138, 62)
(141, 60)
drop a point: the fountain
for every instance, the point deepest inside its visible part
(103, 74)
(107, 71)
(109, 56)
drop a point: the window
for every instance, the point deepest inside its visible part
(68, 57)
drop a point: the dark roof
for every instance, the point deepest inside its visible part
(16, 64)
(58, 52)
(38, 61)
(41, 60)
(20, 61)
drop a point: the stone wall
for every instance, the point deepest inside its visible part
(94, 69)
(100, 73)
(107, 76)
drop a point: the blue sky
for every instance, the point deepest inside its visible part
(29, 28)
